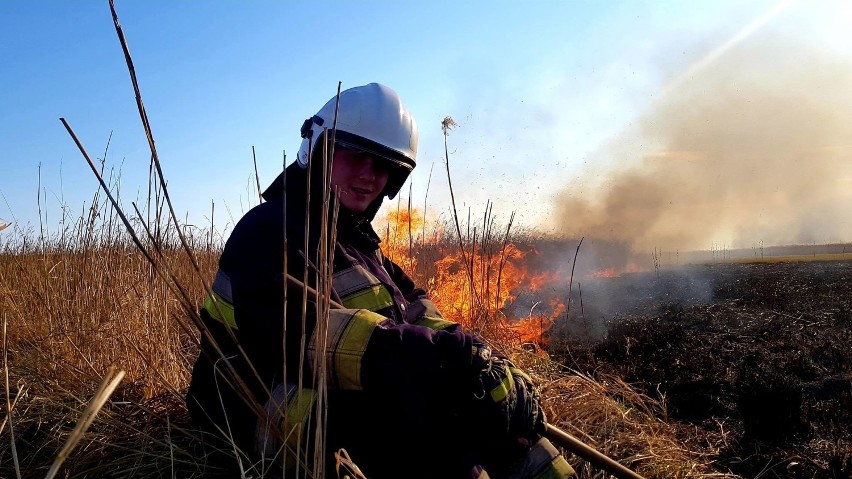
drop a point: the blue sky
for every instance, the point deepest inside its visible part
(540, 89)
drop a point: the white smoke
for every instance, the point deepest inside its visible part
(757, 148)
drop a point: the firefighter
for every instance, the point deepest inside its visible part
(407, 393)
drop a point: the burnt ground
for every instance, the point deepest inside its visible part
(755, 358)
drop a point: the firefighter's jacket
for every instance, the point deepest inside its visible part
(391, 340)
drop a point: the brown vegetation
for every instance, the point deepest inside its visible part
(73, 311)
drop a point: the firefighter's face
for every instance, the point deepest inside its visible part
(358, 177)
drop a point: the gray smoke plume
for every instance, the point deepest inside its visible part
(755, 147)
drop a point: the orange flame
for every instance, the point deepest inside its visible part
(606, 273)
(533, 329)
(474, 287)
(403, 229)
(483, 285)
(611, 272)
(537, 281)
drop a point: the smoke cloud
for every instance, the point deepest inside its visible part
(755, 147)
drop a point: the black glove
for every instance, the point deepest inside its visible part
(528, 421)
(505, 403)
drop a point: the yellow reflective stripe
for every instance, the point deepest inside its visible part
(557, 469)
(520, 372)
(433, 323)
(375, 298)
(353, 279)
(215, 304)
(499, 393)
(297, 415)
(347, 337)
(351, 347)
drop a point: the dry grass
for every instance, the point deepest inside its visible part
(73, 312)
(80, 312)
(611, 416)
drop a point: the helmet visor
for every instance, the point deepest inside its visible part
(356, 143)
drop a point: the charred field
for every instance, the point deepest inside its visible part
(752, 360)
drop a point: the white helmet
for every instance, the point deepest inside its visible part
(371, 118)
